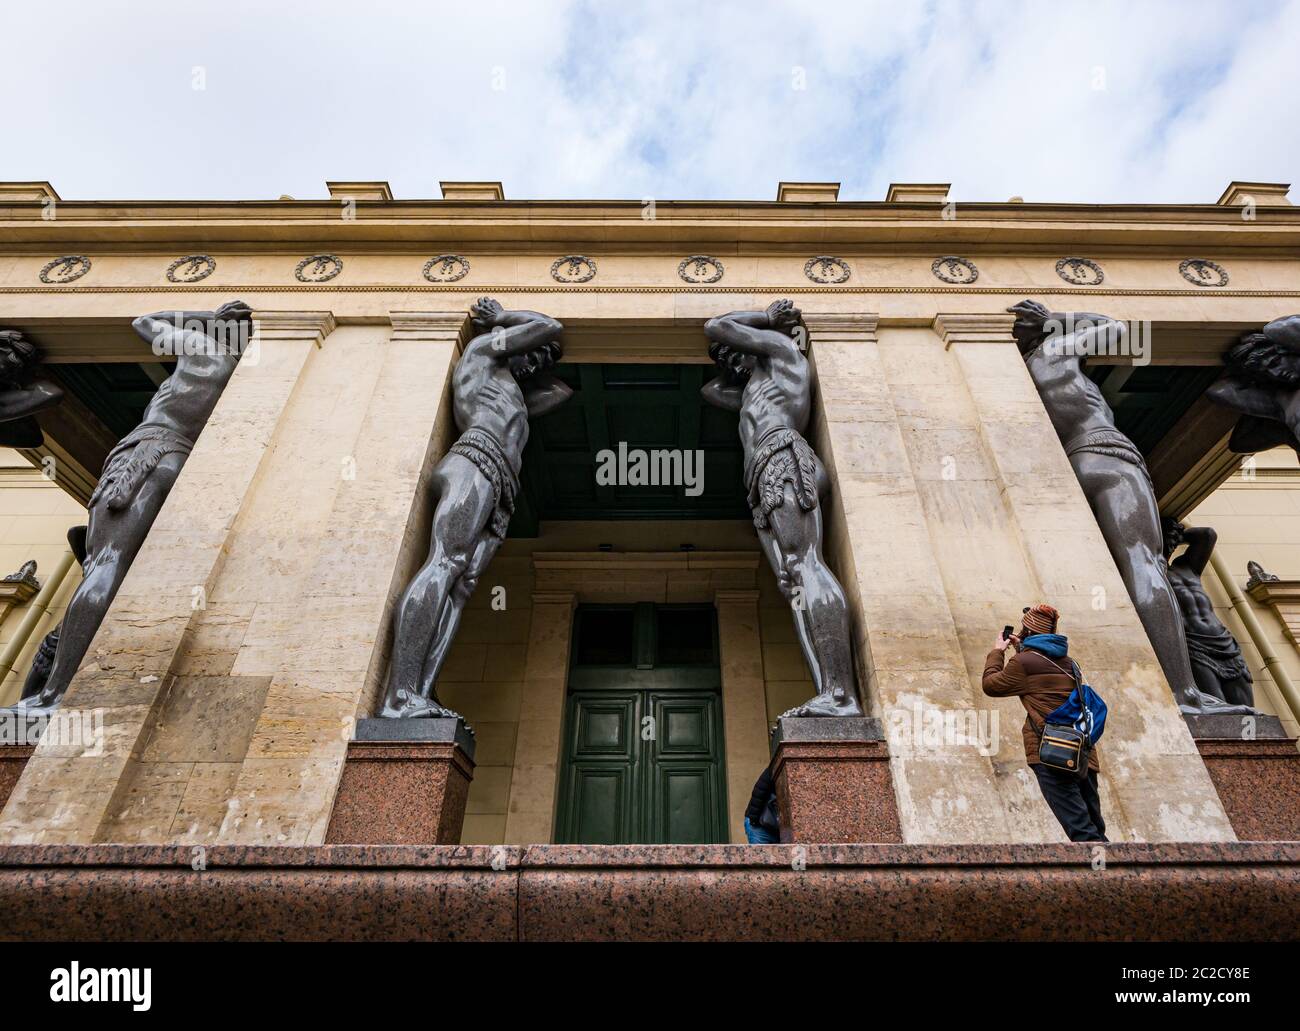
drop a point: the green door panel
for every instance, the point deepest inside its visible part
(685, 781)
(602, 809)
(642, 758)
(682, 804)
(605, 726)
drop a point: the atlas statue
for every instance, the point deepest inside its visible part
(502, 380)
(766, 377)
(1217, 663)
(1262, 383)
(1114, 478)
(141, 470)
(24, 391)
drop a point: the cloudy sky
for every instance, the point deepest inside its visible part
(1140, 101)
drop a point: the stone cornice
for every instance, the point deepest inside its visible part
(130, 224)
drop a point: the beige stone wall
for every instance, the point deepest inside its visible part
(35, 515)
(1256, 514)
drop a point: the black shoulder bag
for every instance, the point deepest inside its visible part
(1062, 746)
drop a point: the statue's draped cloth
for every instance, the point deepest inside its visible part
(1219, 653)
(779, 457)
(481, 448)
(132, 460)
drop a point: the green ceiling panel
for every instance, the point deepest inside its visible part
(647, 407)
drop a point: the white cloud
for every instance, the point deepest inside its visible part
(681, 99)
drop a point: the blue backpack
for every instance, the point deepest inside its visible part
(1085, 709)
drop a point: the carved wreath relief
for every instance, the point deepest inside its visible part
(319, 268)
(573, 268)
(191, 268)
(446, 268)
(1203, 272)
(65, 269)
(1080, 271)
(952, 269)
(700, 268)
(827, 269)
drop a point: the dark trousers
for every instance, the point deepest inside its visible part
(1074, 802)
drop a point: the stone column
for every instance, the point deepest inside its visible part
(910, 656)
(1155, 787)
(531, 810)
(66, 794)
(321, 637)
(744, 699)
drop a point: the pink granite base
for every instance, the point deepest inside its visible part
(13, 760)
(401, 793)
(1228, 891)
(1258, 783)
(835, 792)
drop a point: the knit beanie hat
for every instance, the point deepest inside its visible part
(1041, 619)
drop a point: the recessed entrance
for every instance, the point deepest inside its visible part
(642, 758)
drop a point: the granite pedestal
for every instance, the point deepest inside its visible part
(1256, 770)
(832, 781)
(404, 782)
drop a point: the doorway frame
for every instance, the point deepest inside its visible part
(563, 580)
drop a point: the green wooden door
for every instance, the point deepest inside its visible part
(643, 740)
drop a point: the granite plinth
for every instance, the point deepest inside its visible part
(833, 783)
(1255, 768)
(20, 733)
(13, 760)
(1221, 891)
(1216, 726)
(405, 782)
(446, 731)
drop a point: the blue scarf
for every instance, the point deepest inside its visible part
(1049, 644)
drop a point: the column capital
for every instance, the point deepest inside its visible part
(975, 328)
(842, 325)
(569, 598)
(293, 325)
(445, 326)
(729, 596)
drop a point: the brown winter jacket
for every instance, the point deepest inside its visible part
(1041, 683)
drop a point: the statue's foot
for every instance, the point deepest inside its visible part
(834, 704)
(33, 705)
(1198, 703)
(415, 707)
